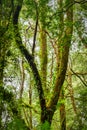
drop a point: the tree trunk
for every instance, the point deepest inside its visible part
(71, 92)
(43, 57)
(62, 113)
(30, 102)
(2, 60)
(22, 78)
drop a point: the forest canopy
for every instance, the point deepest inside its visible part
(43, 65)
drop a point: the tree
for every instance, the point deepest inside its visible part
(47, 111)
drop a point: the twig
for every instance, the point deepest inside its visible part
(35, 32)
(79, 78)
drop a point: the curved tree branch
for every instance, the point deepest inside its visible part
(27, 55)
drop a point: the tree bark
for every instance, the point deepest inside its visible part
(22, 78)
(43, 57)
(62, 113)
(30, 102)
(71, 92)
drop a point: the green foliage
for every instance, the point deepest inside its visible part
(9, 94)
(82, 106)
(30, 9)
(45, 126)
(16, 124)
(61, 102)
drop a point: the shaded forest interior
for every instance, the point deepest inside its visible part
(43, 65)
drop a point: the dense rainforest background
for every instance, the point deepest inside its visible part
(43, 64)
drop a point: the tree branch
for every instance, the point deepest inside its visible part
(35, 31)
(66, 7)
(63, 52)
(79, 78)
(28, 56)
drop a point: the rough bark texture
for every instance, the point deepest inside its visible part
(43, 56)
(71, 92)
(43, 59)
(62, 113)
(22, 78)
(30, 102)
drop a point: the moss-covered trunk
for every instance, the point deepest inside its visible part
(43, 57)
(62, 112)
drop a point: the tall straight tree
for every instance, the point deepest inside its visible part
(43, 46)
